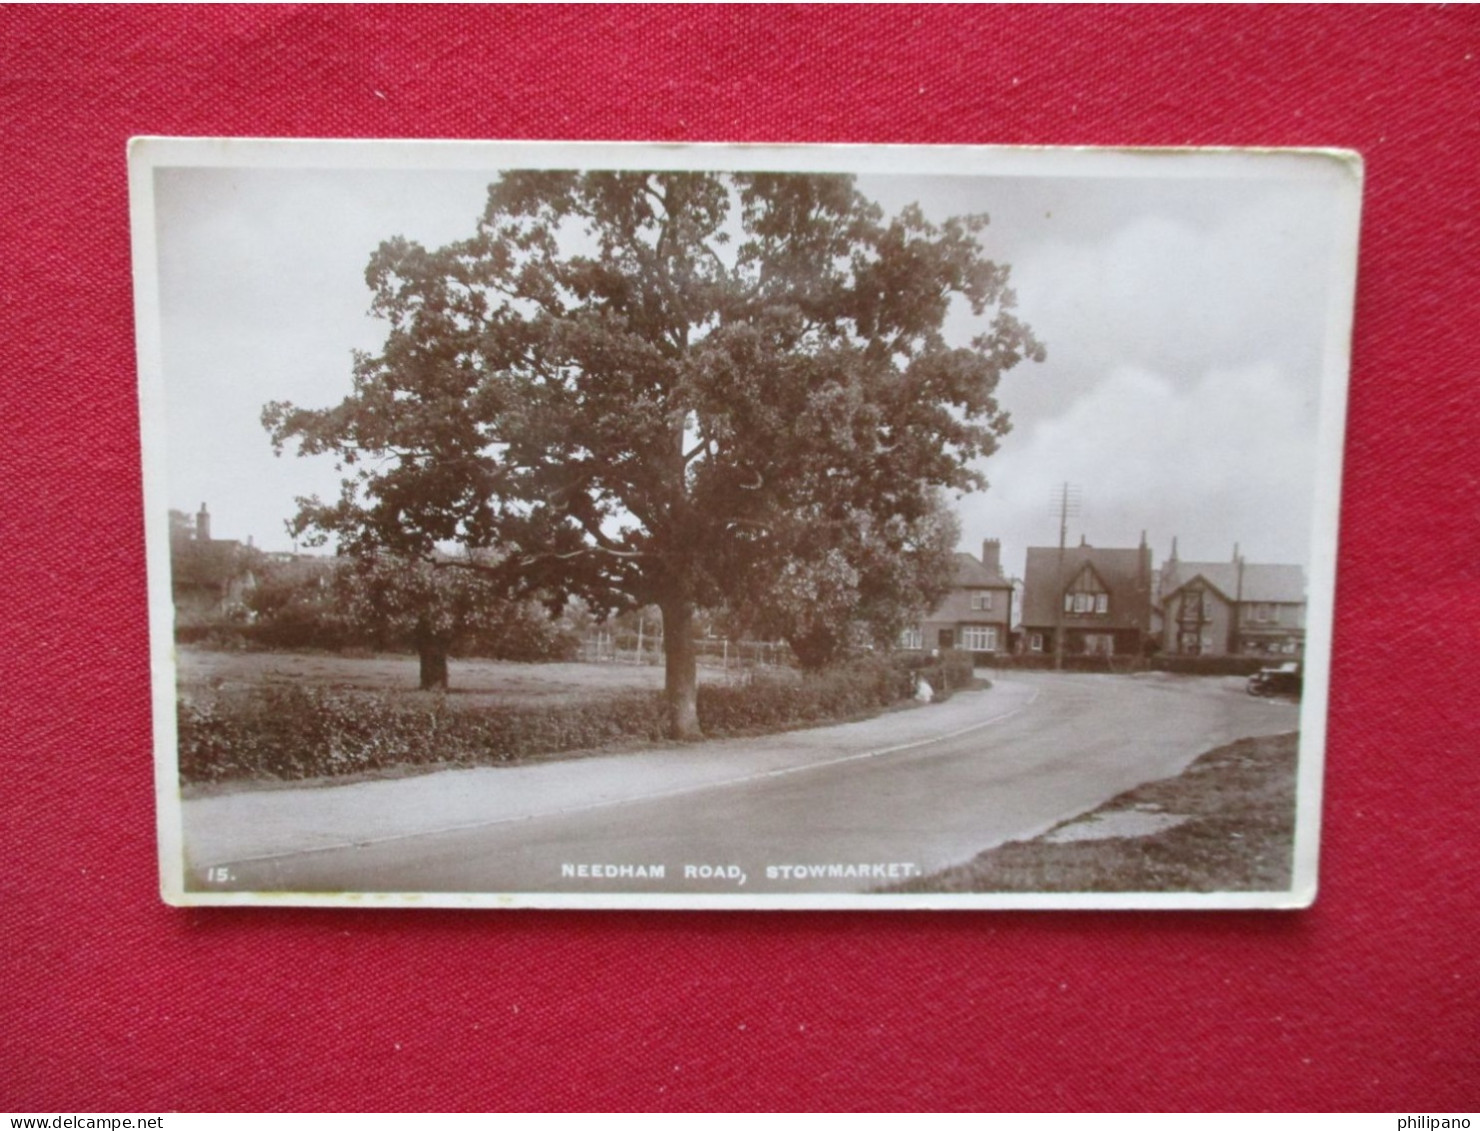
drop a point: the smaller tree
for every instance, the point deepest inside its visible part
(295, 605)
(848, 579)
(440, 606)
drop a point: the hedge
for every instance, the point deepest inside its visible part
(293, 732)
(1123, 664)
(1215, 665)
(772, 702)
(946, 672)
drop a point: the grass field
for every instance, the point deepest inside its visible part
(1227, 823)
(472, 682)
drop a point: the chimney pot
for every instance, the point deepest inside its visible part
(992, 554)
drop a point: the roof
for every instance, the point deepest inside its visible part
(1273, 584)
(1125, 573)
(212, 563)
(970, 573)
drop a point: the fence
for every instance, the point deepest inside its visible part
(632, 648)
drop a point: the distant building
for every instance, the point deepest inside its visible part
(1100, 599)
(210, 577)
(1231, 608)
(976, 615)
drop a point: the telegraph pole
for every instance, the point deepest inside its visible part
(1067, 503)
(1235, 632)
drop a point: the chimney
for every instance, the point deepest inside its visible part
(203, 524)
(992, 555)
(1145, 580)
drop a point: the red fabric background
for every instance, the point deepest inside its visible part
(110, 1000)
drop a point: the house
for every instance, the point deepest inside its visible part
(976, 615)
(210, 578)
(1099, 598)
(1232, 608)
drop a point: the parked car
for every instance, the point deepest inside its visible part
(1286, 679)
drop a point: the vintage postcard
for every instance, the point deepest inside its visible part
(702, 526)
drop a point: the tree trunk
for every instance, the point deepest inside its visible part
(680, 670)
(433, 655)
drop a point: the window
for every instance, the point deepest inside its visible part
(1195, 608)
(1035, 642)
(980, 601)
(979, 638)
(1087, 604)
(1263, 613)
(911, 639)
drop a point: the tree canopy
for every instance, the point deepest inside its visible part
(438, 608)
(673, 389)
(388, 601)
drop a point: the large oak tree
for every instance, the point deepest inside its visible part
(647, 388)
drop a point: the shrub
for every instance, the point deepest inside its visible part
(772, 702)
(946, 672)
(293, 733)
(1214, 665)
(1122, 663)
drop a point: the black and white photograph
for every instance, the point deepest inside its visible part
(697, 526)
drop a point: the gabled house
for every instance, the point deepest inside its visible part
(1099, 598)
(976, 615)
(1232, 608)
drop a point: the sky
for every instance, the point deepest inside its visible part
(1184, 321)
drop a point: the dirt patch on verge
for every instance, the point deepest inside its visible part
(1236, 832)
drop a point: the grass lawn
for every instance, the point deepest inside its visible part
(1227, 823)
(473, 683)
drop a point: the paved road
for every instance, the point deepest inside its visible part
(837, 809)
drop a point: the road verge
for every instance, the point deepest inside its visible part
(1226, 823)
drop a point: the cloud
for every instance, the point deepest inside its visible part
(1227, 458)
(263, 297)
(1178, 295)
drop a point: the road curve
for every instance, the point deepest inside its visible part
(833, 809)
